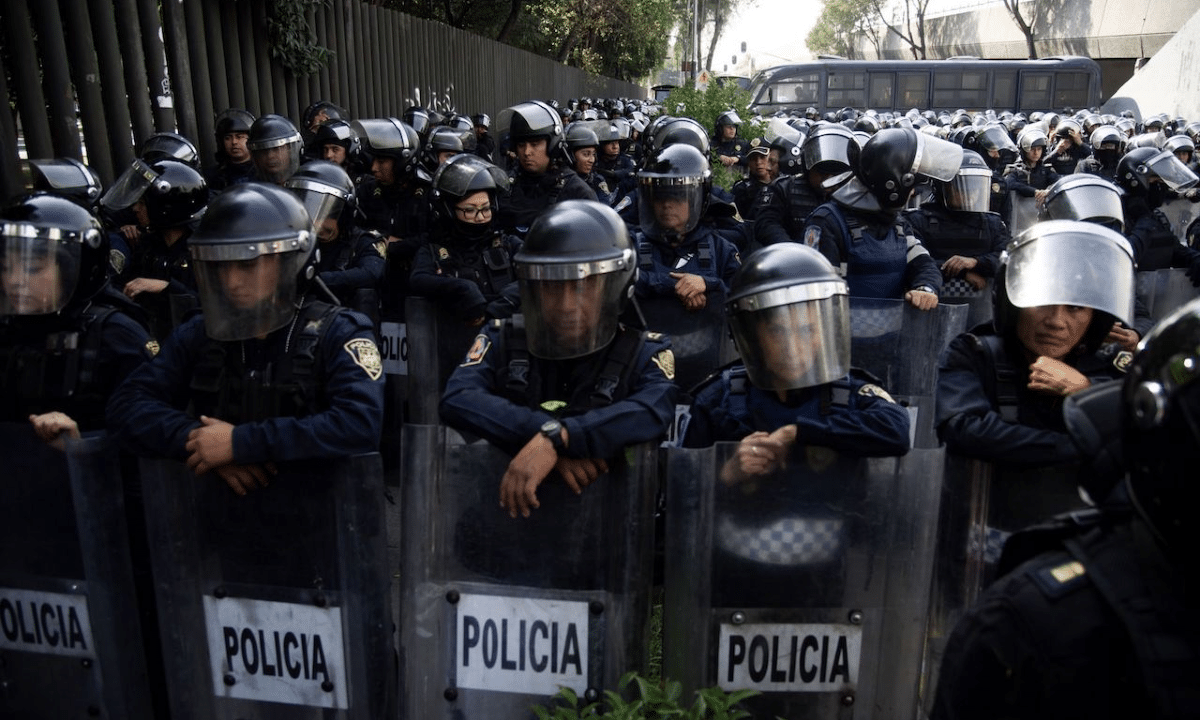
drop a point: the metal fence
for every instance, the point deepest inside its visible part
(102, 75)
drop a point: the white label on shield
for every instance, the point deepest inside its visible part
(45, 622)
(393, 346)
(521, 645)
(789, 658)
(276, 652)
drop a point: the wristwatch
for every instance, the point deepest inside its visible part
(925, 289)
(552, 429)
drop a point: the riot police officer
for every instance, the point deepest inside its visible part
(335, 141)
(566, 386)
(579, 148)
(485, 144)
(790, 316)
(352, 260)
(266, 373)
(678, 256)
(1098, 622)
(728, 149)
(275, 146)
(1069, 148)
(783, 207)
(1058, 291)
(861, 230)
(441, 144)
(1147, 175)
(65, 177)
(67, 339)
(760, 174)
(534, 131)
(1030, 176)
(616, 166)
(233, 165)
(1107, 146)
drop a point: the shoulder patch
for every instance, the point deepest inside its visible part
(625, 202)
(812, 236)
(152, 348)
(874, 390)
(1122, 360)
(665, 360)
(381, 247)
(478, 350)
(443, 253)
(1058, 581)
(366, 356)
(553, 406)
(117, 259)
(655, 336)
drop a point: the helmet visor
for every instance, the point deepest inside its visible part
(569, 317)
(277, 163)
(669, 206)
(38, 269)
(827, 153)
(1171, 169)
(797, 345)
(250, 297)
(64, 177)
(1082, 198)
(1069, 263)
(130, 187)
(323, 202)
(969, 191)
(936, 158)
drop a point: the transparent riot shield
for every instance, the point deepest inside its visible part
(700, 339)
(810, 584)
(1162, 291)
(497, 613)
(439, 342)
(1025, 214)
(70, 640)
(273, 604)
(1181, 214)
(957, 291)
(982, 505)
(901, 345)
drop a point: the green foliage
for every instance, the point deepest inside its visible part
(653, 700)
(293, 42)
(704, 106)
(838, 25)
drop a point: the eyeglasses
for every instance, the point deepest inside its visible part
(471, 213)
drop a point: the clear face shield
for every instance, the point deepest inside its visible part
(1172, 171)
(1060, 262)
(827, 153)
(1087, 198)
(669, 206)
(323, 203)
(38, 269)
(130, 187)
(969, 191)
(571, 309)
(276, 161)
(936, 158)
(793, 337)
(249, 289)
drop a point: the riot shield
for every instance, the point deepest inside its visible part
(700, 339)
(982, 505)
(440, 342)
(810, 584)
(498, 613)
(1025, 214)
(1181, 214)
(957, 291)
(273, 604)
(1162, 291)
(70, 639)
(900, 345)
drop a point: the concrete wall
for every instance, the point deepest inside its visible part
(1169, 82)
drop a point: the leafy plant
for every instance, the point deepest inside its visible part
(704, 106)
(293, 42)
(654, 700)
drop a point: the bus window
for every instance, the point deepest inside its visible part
(1035, 91)
(881, 91)
(960, 89)
(912, 90)
(799, 90)
(1004, 89)
(1071, 90)
(846, 90)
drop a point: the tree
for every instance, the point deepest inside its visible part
(838, 25)
(913, 11)
(1014, 9)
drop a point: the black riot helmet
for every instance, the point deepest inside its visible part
(275, 146)
(532, 120)
(1066, 262)
(174, 192)
(482, 120)
(1140, 167)
(787, 140)
(319, 112)
(66, 177)
(729, 117)
(441, 140)
(460, 177)
(971, 189)
(678, 131)
(334, 132)
(53, 255)
(1107, 143)
(389, 138)
(826, 150)
(1087, 197)
(326, 191)
(169, 146)
(677, 174)
(579, 135)
(418, 119)
(994, 145)
(790, 315)
(254, 254)
(232, 120)
(465, 129)
(1180, 144)
(576, 271)
(891, 164)
(1161, 426)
